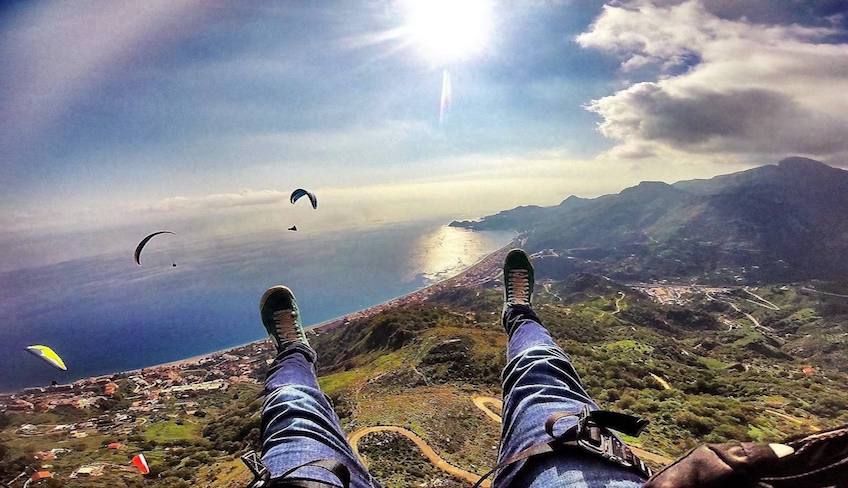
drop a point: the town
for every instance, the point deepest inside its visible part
(127, 404)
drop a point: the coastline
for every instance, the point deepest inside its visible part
(479, 272)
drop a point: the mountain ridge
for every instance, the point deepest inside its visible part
(783, 219)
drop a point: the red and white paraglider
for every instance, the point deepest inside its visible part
(140, 464)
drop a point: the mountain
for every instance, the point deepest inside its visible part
(780, 221)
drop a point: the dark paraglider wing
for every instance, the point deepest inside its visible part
(300, 192)
(144, 242)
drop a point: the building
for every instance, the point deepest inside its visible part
(45, 456)
(18, 405)
(41, 475)
(110, 388)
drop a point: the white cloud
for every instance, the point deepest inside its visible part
(244, 198)
(720, 86)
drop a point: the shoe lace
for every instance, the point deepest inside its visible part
(518, 287)
(284, 321)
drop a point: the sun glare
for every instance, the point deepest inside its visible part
(447, 30)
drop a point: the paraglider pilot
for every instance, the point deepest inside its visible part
(303, 442)
(553, 433)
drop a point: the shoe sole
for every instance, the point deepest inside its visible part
(526, 259)
(271, 291)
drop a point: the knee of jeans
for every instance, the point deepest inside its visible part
(531, 356)
(291, 395)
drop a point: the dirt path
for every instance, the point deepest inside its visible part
(794, 420)
(549, 290)
(804, 288)
(481, 402)
(425, 448)
(767, 303)
(618, 300)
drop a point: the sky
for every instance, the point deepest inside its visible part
(124, 116)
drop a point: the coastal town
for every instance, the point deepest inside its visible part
(129, 405)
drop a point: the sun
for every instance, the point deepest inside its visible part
(447, 31)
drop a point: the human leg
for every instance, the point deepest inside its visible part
(299, 425)
(539, 381)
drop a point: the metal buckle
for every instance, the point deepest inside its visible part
(261, 474)
(598, 440)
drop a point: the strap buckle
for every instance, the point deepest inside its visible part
(261, 476)
(594, 436)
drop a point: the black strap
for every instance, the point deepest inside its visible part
(589, 434)
(619, 422)
(338, 469)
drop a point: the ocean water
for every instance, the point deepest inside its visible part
(105, 314)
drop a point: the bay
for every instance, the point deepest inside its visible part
(105, 314)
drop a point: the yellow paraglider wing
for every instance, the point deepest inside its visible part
(49, 355)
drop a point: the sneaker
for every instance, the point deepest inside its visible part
(518, 279)
(281, 316)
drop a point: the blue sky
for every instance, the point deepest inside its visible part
(141, 114)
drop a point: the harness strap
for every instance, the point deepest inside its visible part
(338, 469)
(590, 434)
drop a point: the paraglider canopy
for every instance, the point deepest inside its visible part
(140, 464)
(138, 249)
(48, 355)
(300, 192)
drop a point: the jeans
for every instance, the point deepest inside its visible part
(538, 381)
(299, 425)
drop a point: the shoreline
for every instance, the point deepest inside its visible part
(413, 296)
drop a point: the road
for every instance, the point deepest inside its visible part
(481, 402)
(618, 300)
(794, 420)
(425, 448)
(812, 290)
(761, 328)
(549, 290)
(767, 305)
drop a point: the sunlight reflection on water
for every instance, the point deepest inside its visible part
(449, 250)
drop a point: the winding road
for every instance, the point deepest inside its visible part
(618, 300)
(483, 403)
(425, 448)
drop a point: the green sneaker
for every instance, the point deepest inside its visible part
(518, 279)
(281, 316)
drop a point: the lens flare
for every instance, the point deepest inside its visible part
(447, 96)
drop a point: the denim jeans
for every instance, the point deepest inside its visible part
(299, 425)
(538, 381)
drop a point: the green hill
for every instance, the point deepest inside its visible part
(704, 365)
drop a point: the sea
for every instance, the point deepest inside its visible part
(104, 314)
